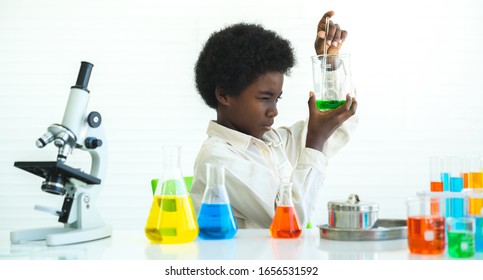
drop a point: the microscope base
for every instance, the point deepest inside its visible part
(56, 236)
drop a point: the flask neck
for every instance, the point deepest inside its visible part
(171, 157)
(215, 192)
(172, 181)
(285, 195)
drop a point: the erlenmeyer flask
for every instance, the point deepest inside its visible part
(172, 217)
(216, 219)
(285, 222)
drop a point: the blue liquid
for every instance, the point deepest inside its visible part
(479, 234)
(456, 204)
(455, 184)
(445, 180)
(216, 221)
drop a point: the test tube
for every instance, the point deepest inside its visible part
(465, 172)
(445, 168)
(435, 180)
(475, 181)
(456, 186)
(435, 169)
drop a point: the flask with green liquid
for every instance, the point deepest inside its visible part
(172, 218)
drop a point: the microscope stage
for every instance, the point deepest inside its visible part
(44, 168)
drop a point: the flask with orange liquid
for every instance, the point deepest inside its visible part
(285, 222)
(172, 217)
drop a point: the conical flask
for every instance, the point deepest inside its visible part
(216, 219)
(285, 222)
(172, 218)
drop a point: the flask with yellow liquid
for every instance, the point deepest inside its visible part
(172, 218)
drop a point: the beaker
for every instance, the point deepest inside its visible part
(475, 210)
(285, 223)
(172, 217)
(216, 219)
(332, 80)
(426, 232)
(461, 237)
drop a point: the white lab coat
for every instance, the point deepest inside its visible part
(255, 168)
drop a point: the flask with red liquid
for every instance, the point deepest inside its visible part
(285, 222)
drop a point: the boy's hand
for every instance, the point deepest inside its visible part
(335, 36)
(323, 123)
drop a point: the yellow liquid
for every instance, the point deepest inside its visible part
(171, 220)
(475, 206)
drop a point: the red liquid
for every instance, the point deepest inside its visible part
(426, 235)
(285, 223)
(436, 186)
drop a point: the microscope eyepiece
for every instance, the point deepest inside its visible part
(84, 75)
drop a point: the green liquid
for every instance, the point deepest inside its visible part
(461, 244)
(329, 104)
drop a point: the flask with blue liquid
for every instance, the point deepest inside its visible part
(216, 219)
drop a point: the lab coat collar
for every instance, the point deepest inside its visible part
(236, 138)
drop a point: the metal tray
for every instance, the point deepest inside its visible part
(384, 229)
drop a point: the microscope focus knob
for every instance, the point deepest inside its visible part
(92, 142)
(94, 119)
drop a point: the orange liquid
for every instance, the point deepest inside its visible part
(465, 180)
(475, 180)
(285, 223)
(475, 205)
(426, 235)
(436, 186)
(435, 209)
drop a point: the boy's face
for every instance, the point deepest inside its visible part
(254, 110)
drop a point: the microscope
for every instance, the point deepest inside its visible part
(80, 218)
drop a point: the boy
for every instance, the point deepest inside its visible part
(240, 73)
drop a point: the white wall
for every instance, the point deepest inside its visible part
(418, 67)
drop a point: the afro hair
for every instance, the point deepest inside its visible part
(234, 57)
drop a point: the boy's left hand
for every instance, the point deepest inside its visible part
(335, 36)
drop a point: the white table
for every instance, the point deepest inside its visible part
(247, 245)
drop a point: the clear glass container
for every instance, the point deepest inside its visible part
(332, 80)
(285, 223)
(216, 219)
(172, 217)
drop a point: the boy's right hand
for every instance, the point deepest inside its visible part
(323, 123)
(335, 35)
